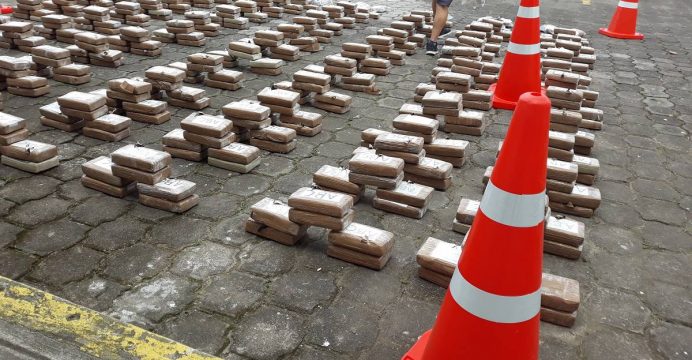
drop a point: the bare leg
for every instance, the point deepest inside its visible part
(434, 7)
(439, 22)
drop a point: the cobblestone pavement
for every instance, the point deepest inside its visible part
(198, 278)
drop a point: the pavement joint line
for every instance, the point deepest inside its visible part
(96, 334)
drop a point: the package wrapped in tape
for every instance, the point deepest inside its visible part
(141, 158)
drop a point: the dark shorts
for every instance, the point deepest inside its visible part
(444, 2)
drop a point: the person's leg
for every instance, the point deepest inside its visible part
(434, 7)
(439, 21)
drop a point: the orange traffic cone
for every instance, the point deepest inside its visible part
(521, 70)
(624, 22)
(491, 309)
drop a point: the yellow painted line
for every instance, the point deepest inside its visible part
(95, 333)
(586, 2)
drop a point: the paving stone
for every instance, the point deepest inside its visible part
(5, 206)
(332, 124)
(662, 211)
(680, 168)
(292, 182)
(414, 229)
(672, 142)
(69, 151)
(312, 164)
(246, 185)
(614, 173)
(383, 349)
(655, 189)
(100, 209)
(402, 322)
(68, 170)
(345, 326)
(14, 264)
(268, 333)
(615, 239)
(666, 237)
(556, 349)
(267, 258)
(212, 171)
(653, 90)
(650, 171)
(335, 150)
(53, 236)
(377, 290)
(67, 265)
(686, 203)
(10, 174)
(231, 231)
(630, 314)
(75, 190)
(146, 136)
(312, 253)
(8, 233)
(98, 148)
(669, 267)
(95, 293)
(198, 330)
(152, 300)
(420, 289)
(348, 136)
(116, 234)
(320, 138)
(130, 265)
(274, 166)
(202, 261)
(646, 155)
(183, 167)
(672, 340)
(302, 290)
(205, 185)
(615, 214)
(216, 207)
(618, 271)
(303, 150)
(54, 137)
(363, 122)
(39, 211)
(630, 346)
(31, 188)
(231, 294)
(305, 352)
(149, 214)
(179, 232)
(670, 130)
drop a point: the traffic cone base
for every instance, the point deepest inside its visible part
(500, 103)
(635, 36)
(624, 22)
(417, 350)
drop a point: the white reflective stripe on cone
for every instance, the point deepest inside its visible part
(491, 307)
(628, 5)
(512, 209)
(528, 12)
(523, 49)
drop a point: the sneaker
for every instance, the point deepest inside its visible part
(431, 48)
